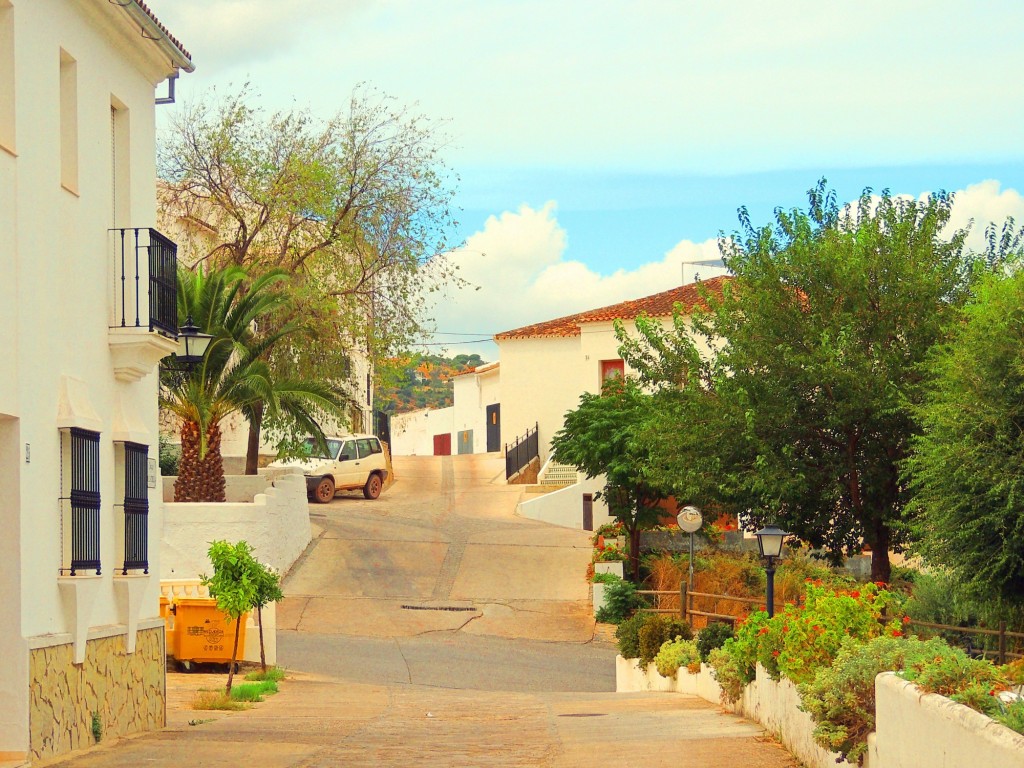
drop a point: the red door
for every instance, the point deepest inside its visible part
(443, 444)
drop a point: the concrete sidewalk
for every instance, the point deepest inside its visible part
(317, 721)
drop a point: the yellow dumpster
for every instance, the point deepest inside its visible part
(167, 614)
(203, 633)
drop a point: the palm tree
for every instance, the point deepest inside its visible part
(234, 374)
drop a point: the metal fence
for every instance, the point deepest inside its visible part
(161, 256)
(519, 454)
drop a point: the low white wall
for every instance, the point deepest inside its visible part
(914, 729)
(911, 729)
(175, 588)
(276, 525)
(237, 488)
(564, 507)
(412, 434)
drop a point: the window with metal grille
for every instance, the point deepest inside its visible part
(136, 508)
(80, 465)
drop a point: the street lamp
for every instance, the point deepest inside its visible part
(192, 344)
(690, 521)
(769, 541)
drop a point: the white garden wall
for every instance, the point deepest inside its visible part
(275, 523)
(412, 434)
(564, 507)
(913, 730)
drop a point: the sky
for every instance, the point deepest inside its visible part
(599, 146)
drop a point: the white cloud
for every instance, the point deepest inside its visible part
(986, 204)
(519, 276)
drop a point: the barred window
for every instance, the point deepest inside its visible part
(136, 508)
(80, 522)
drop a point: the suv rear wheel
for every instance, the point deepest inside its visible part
(373, 487)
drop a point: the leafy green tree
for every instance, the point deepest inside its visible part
(235, 584)
(268, 590)
(234, 374)
(355, 208)
(601, 437)
(817, 344)
(967, 469)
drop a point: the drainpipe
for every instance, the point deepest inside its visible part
(151, 31)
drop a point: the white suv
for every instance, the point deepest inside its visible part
(352, 462)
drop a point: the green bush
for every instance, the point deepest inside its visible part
(169, 457)
(1012, 716)
(621, 602)
(711, 637)
(725, 668)
(735, 663)
(655, 631)
(801, 640)
(627, 635)
(675, 654)
(605, 578)
(841, 699)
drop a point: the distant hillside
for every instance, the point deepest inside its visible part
(419, 381)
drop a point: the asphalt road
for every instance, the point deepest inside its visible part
(438, 583)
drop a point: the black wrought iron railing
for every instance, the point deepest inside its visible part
(520, 453)
(134, 247)
(136, 508)
(84, 499)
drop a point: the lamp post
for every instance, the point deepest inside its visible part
(690, 521)
(769, 541)
(192, 345)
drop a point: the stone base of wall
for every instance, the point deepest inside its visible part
(125, 693)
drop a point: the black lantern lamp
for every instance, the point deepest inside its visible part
(192, 344)
(770, 540)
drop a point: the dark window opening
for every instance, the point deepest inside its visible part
(136, 508)
(81, 465)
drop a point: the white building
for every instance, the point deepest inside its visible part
(87, 303)
(471, 425)
(547, 366)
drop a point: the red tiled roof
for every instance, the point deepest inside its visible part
(484, 368)
(164, 29)
(659, 305)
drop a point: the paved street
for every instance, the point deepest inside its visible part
(432, 627)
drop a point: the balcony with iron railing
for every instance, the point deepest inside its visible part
(144, 301)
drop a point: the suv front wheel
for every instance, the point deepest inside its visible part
(373, 487)
(324, 491)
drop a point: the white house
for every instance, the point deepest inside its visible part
(471, 425)
(546, 367)
(87, 303)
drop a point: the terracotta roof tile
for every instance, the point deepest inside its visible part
(164, 29)
(481, 369)
(658, 305)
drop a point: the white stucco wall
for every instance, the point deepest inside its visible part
(56, 302)
(912, 729)
(473, 392)
(541, 379)
(564, 507)
(412, 434)
(276, 526)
